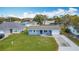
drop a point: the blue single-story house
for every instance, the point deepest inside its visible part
(44, 30)
(74, 30)
(11, 27)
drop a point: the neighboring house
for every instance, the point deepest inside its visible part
(48, 22)
(74, 30)
(17, 21)
(34, 23)
(27, 19)
(11, 27)
(2, 34)
(44, 30)
(27, 24)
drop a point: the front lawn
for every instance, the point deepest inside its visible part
(24, 42)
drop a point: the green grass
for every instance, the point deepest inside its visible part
(24, 42)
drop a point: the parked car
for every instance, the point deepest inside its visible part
(1, 34)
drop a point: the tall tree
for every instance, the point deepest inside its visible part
(66, 19)
(57, 19)
(75, 20)
(11, 19)
(40, 19)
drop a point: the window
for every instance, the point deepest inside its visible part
(34, 30)
(15, 30)
(30, 30)
(49, 30)
(45, 30)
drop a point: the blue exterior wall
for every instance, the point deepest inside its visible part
(44, 32)
(34, 32)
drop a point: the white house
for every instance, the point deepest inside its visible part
(27, 24)
(11, 27)
(44, 30)
(48, 22)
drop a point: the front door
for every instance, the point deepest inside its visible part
(11, 30)
(50, 32)
(41, 32)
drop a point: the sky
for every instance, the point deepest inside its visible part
(30, 12)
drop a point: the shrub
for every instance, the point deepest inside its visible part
(67, 30)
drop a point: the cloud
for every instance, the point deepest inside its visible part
(12, 15)
(49, 14)
(72, 11)
(29, 15)
(58, 12)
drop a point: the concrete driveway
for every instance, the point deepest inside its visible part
(65, 44)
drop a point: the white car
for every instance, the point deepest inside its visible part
(2, 34)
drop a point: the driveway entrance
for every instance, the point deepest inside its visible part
(65, 44)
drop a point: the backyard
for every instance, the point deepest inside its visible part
(24, 42)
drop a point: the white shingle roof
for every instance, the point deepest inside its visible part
(44, 27)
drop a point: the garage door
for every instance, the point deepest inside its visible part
(55, 32)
